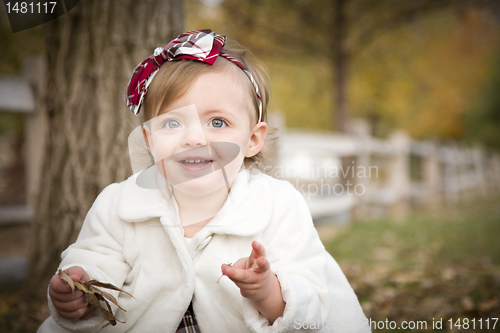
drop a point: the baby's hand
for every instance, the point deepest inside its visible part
(68, 305)
(252, 275)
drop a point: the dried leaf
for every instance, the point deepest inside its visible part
(108, 314)
(66, 278)
(230, 264)
(82, 285)
(92, 300)
(467, 303)
(94, 295)
(109, 297)
(107, 286)
(488, 305)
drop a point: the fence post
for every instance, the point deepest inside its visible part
(479, 160)
(399, 177)
(361, 130)
(494, 172)
(431, 175)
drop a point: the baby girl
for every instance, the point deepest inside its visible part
(203, 240)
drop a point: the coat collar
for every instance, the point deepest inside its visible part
(246, 211)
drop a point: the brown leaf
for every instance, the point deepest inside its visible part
(108, 286)
(448, 273)
(108, 314)
(467, 303)
(383, 254)
(94, 295)
(66, 278)
(109, 297)
(92, 300)
(488, 305)
(82, 285)
(406, 277)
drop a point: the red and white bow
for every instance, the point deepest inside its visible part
(201, 45)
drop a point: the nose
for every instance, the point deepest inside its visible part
(194, 136)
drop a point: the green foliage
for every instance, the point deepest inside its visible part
(299, 91)
(483, 119)
(413, 65)
(455, 234)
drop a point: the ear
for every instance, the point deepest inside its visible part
(147, 137)
(257, 139)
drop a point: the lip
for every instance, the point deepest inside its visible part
(195, 167)
(194, 158)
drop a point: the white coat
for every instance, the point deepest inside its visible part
(132, 238)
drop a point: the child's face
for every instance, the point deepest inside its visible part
(207, 129)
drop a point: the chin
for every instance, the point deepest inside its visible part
(204, 185)
(211, 182)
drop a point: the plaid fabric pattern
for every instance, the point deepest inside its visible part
(250, 76)
(200, 45)
(188, 323)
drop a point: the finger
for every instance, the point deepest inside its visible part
(66, 297)
(77, 273)
(238, 275)
(263, 265)
(73, 314)
(240, 263)
(57, 285)
(70, 306)
(258, 250)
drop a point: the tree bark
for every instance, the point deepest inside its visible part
(91, 53)
(340, 59)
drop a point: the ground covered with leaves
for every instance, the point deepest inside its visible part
(430, 266)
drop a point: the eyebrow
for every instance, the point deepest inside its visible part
(218, 111)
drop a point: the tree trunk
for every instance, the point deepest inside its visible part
(91, 53)
(340, 65)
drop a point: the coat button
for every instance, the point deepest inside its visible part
(204, 243)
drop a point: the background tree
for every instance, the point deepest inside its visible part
(328, 36)
(483, 120)
(91, 52)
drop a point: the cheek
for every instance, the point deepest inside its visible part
(163, 147)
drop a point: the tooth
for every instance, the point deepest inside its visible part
(197, 161)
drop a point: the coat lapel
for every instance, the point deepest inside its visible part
(246, 211)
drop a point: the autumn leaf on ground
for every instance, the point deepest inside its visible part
(94, 295)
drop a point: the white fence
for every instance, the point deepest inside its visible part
(341, 176)
(346, 176)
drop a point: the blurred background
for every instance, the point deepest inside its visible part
(388, 119)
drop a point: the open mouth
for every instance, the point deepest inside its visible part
(197, 165)
(195, 162)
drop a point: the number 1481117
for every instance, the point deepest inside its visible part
(466, 323)
(31, 8)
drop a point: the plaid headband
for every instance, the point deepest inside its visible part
(200, 45)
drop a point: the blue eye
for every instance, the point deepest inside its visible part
(218, 123)
(172, 124)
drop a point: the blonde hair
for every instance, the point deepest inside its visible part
(175, 78)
